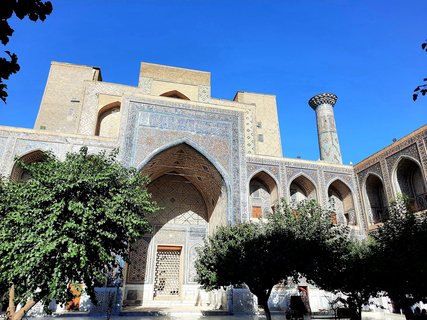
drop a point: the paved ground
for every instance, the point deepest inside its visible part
(174, 317)
(196, 316)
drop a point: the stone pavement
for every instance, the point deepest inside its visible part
(182, 314)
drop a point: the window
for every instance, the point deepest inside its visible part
(256, 212)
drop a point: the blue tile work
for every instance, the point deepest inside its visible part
(320, 173)
(216, 133)
(384, 162)
(410, 152)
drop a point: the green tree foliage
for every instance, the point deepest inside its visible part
(313, 233)
(331, 259)
(421, 89)
(66, 224)
(391, 261)
(261, 255)
(354, 273)
(34, 10)
(241, 254)
(401, 255)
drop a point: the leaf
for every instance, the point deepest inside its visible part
(34, 10)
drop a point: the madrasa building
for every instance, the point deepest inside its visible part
(211, 162)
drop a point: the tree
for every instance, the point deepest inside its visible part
(353, 273)
(66, 225)
(261, 255)
(401, 255)
(423, 87)
(34, 10)
(241, 254)
(335, 262)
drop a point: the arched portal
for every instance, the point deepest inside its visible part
(301, 188)
(192, 196)
(263, 194)
(376, 200)
(409, 180)
(108, 123)
(18, 173)
(341, 203)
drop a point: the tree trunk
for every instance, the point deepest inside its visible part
(12, 314)
(359, 311)
(355, 303)
(11, 307)
(263, 301)
(21, 312)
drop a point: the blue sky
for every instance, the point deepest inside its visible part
(365, 51)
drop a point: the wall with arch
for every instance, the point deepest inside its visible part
(299, 180)
(402, 168)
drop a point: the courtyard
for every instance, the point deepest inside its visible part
(198, 316)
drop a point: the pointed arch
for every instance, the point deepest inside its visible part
(267, 172)
(375, 198)
(185, 158)
(175, 94)
(192, 191)
(341, 203)
(193, 145)
(408, 179)
(263, 194)
(19, 174)
(302, 187)
(108, 120)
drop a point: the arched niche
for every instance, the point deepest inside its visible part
(18, 173)
(301, 188)
(192, 196)
(184, 161)
(376, 199)
(409, 180)
(108, 122)
(263, 194)
(341, 203)
(175, 94)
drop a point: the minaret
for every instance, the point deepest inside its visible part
(326, 130)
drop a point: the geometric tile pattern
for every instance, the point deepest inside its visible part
(204, 93)
(138, 258)
(167, 268)
(192, 274)
(190, 170)
(410, 151)
(179, 201)
(384, 163)
(326, 128)
(155, 125)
